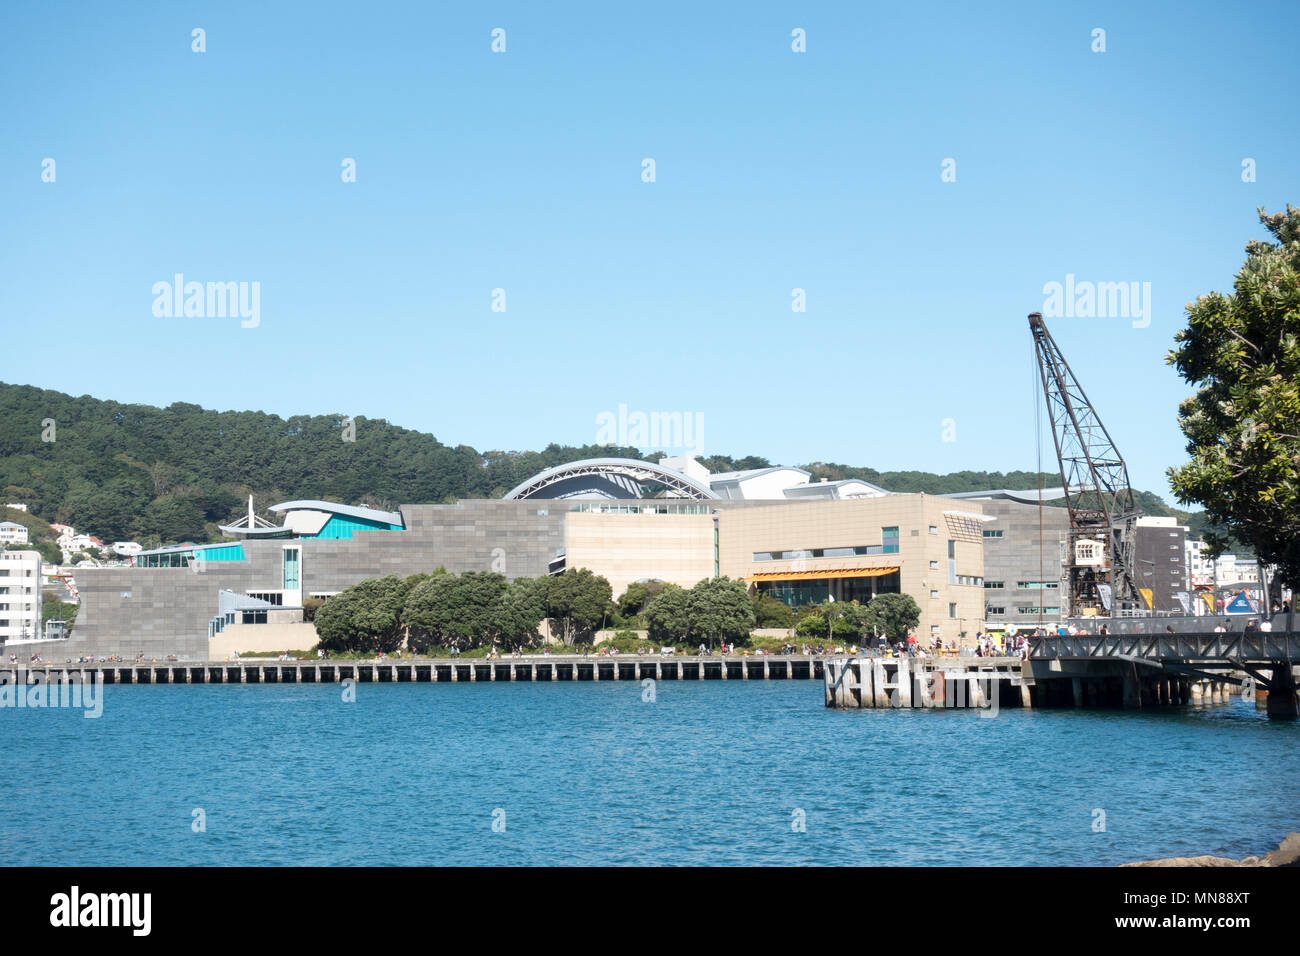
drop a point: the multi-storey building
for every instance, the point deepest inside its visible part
(20, 596)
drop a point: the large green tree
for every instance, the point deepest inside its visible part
(893, 615)
(667, 615)
(455, 610)
(520, 610)
(578, 601)
(366, 617)
(720, 611)
(1242, 352)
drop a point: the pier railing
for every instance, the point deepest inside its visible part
(1255, 647)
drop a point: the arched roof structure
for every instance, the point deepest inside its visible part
(619, 478)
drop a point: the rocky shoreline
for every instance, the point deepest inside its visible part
(1287, 854)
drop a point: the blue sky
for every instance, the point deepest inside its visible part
(523, 171)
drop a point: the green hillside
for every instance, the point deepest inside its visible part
(165, 475)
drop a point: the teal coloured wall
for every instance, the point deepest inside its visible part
(341, 528)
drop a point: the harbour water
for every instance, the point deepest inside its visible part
(705, 773)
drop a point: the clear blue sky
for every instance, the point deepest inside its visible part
(522, 171)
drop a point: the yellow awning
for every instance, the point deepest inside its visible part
(820, 575)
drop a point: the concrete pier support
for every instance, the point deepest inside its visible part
(844, 688)
(866, 674)
(904, 681)
(1282, 701)
(1026, 697)
(1076, 686)
(879, 689)
(1132, 690)
(924, 689)
(1196, 694)
(975, 691)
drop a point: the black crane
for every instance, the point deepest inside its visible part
(1098, 565)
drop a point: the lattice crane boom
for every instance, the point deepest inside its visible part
(1098, 566)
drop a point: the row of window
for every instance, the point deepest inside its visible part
(888, 545)
(1024, 585)
(824, 552)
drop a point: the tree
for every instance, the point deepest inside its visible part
(1242, 351)
(520, 610)
(812, 625)
(720, 610)
(638, 594)
(770, 612)
(667, 615)
(893, 615)
(578, 600)
(53, 609)
(366, 617)
(454, 610)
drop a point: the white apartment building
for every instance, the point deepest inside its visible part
(1233, 571)
(20, 596)
(17, 506)
(11, 533)
(1200, 569)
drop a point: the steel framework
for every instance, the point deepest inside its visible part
(1097, 492)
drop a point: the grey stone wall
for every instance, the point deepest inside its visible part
(1014, 557)
(163, 611)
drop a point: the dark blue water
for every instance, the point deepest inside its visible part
(709, 773)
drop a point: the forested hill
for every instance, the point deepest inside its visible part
(164, 475)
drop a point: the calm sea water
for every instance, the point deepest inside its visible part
(709, 773)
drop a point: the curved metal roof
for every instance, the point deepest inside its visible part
(333, 507)
(621, 478)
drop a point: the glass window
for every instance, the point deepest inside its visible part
(290, 569)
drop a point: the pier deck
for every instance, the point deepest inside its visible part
(423, 671)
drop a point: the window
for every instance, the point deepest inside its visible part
(995, 585)
(934, 595)
(934, 565)
(952, 610)
(254, 617)
(934, 529)
(1038, 585)
(989, 609)
(270, 597)
(992, 534)
(889, 540)
(291, 569)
